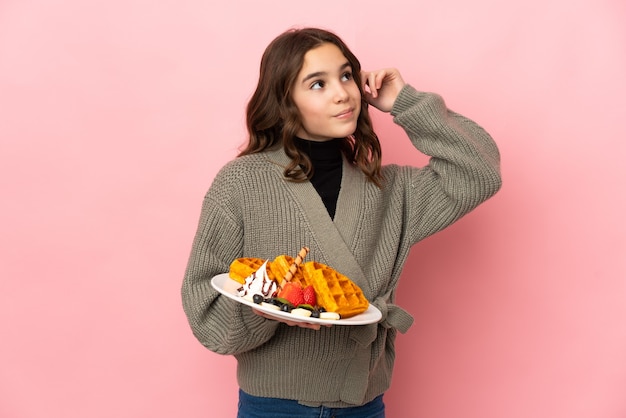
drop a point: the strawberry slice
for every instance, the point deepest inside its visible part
(293, 293)
(309, 295)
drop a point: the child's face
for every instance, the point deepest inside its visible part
(326, 95)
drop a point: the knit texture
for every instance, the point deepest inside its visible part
(251, 210)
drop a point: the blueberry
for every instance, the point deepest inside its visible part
(285, 308)
(257, 298)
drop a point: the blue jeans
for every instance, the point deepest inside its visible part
(257, 407)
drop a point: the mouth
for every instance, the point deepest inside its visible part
(346, 113)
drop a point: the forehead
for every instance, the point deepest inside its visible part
(324, 58)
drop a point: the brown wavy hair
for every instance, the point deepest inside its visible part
(272, 118)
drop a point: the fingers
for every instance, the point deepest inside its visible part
(381, 87)
(373, 81)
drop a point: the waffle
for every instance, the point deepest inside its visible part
(281, 265)
(335, 292)
(241, 268)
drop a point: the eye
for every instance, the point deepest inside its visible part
(317, 85)
(347, 76)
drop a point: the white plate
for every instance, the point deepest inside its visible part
(228, 287)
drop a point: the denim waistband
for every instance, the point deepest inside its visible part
(259, 407)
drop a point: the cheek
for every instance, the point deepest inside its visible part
(358, 107)
(357, 96)
(355, 90)
(310, 112)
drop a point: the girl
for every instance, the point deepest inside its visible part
(311, 175)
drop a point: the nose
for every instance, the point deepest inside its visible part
(341, 94)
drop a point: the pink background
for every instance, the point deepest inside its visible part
(115, 116)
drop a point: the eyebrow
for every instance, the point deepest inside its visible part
(323, 73)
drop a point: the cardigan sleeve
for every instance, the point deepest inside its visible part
(220, 324)
(464, 168)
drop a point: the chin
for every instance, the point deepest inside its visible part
(344, 133)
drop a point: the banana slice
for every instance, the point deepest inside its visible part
(270, 306)
(301, 312)
(329, 315)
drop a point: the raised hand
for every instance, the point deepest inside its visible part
(381, 87)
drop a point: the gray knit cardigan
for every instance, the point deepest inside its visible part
(251, 210)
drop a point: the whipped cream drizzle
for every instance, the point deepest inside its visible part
(259, 283)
